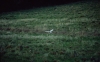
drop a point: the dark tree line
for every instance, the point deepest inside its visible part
(6, 5)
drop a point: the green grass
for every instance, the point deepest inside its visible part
(75, 37)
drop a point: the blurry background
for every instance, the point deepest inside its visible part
(11, 5)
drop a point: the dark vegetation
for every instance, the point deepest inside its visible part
(76, 35)
(12, 5)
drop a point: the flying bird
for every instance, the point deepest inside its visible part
(49, 31)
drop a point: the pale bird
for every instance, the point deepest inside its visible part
(49, 31)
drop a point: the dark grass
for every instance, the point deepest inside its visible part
(75, 37)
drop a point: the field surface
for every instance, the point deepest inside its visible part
(75, 38)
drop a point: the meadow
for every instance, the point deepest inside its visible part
(76, 35)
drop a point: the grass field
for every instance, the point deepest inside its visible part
(76, 35)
